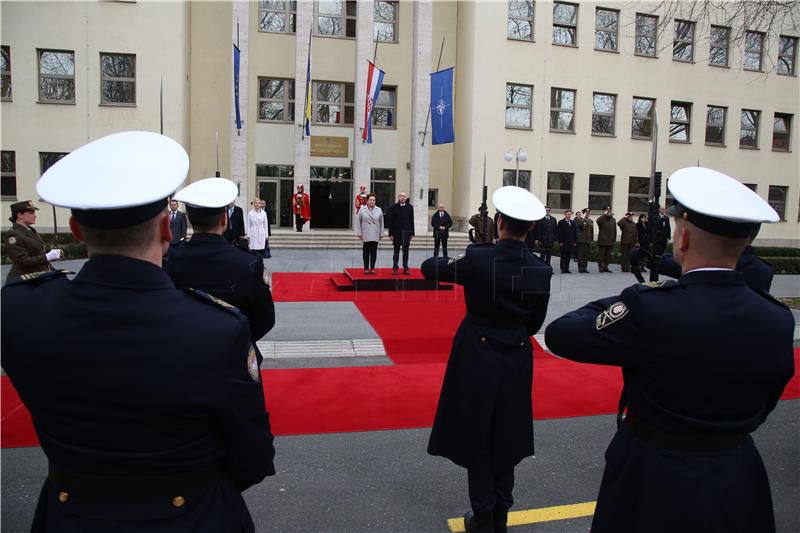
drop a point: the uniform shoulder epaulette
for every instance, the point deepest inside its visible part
(456, 258)
(39, 276)
(204, 296)
(666, 284)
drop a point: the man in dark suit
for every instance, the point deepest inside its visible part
(235, 232)
(441, 223)
(567, 239)
(151, 411)
(663, 231)
(177, 223)
(546, 235)
(401, 230)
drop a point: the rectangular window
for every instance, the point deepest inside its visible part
(336, 18)
(645, 41)
(519, 106)
(683, 44)
(715, 125)
(680, 122)
(562, 109)
(638, 194)
(520, 20)
(382, 186)
(118, 79)
(48, 159)
(748, 132)
(753, 51)
(510, 178)
(606, 29)
(385, 22)
(782, 132)
(601, 187)
(604, 111)
(384, 111)
(8, 181)
(433, 198)
(787, 51)
(277, 16)
(777, 199)
(333, 103)
(275, 100)
(559, 190)
(565, 24)
(642, 121)
(56, 76)
(5, 69)
(719, 46)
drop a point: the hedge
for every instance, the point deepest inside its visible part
(72, 247)
(784, 265)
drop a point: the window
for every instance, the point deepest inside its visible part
(336, 18)
(385, 23)
(275, 100)
(787, 50)
(382, 186)
(520, 20)
(559, 190)
(277, 16)
(604, 109)
(748, 133)
(519, 106)
(333, 103)
(600, 189)
(638, 194)
(645, 42)
(383, 112)
(118, 79)
(606, 23)
(715, 125)
(719, 44)
(777, 199)
(8, 181)
(753, 50)
(57, 76)
(48, 159)
(751, 186)
(562, 109)
(781, 132)
(510, 178)
(565, 24)
(642, 121)
(5, 68)
(679, 122)
(683, 45)
(433, 198)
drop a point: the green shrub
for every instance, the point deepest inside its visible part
(784, 265)
(72, 247)
(777, 251)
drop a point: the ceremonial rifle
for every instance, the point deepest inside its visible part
(484, 209)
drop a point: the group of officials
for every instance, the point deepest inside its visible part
(141, 436)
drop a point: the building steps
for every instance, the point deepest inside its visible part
(347, 239)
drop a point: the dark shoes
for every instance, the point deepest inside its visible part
(366, 272)
(372, 272)
(500, 516)
(482, 522)
(394, 272)
(407, 272)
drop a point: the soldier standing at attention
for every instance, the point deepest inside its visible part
(24, 245)
(151, 411)
(484, 420)
(682, 458)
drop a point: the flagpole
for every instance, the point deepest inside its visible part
(308, 88)
(161, 104)
(428, 116)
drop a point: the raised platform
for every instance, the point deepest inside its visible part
(353, 279)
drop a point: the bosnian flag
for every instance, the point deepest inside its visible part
(374, 82)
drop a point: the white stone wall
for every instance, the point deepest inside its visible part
(239, 164)
(420, 103)
(302, 146)
(365, 48)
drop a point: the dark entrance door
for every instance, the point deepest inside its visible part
(277, 194)
(330, 204)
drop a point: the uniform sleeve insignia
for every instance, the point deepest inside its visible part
(654, 284)
(614, 313)
(12, 240)
(252, 364)
(456, 258)
(41, 276)
(213, 299)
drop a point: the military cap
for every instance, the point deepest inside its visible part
(208, 196)
(116, 181)
(518, 203)
(19, 207)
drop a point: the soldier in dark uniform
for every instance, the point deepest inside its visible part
(209, 263)
(24, 245)
(151, 408)
(484, 421)
(704, 361)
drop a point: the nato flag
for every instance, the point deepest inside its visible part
(442, 106)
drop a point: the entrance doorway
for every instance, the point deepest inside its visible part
(275, 186)
(331, 197)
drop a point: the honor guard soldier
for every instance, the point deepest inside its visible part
(484, 420)
(146, 399)
(704, 361)
(24, 245)
(209, 263)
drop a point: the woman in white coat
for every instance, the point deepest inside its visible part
(370, 230)
(257, 227)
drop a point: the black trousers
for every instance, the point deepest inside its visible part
(439, 238)
(369, 251)
(396, 255)
(625, 259)
(488, 489)
(546, 254)
(582, 251)
(566, 255)
(298, 222)
(603, 257)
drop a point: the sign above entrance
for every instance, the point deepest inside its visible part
(329, 146)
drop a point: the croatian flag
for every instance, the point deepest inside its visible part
(374, 82)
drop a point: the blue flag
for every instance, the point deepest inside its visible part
(236, 85)
(442, 106)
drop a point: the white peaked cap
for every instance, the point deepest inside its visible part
(208, 193)
(518, 203)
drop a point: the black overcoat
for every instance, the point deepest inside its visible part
(400, 222)
(546, 231)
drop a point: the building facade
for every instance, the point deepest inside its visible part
(570, 91)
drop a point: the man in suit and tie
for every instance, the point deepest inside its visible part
(545, 235)
(177, 223)
(441, 223)
(567, 239)
(235, 232)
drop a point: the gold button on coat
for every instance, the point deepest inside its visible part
(178, 501)
(63, 496)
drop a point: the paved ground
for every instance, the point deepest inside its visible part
(384, 481)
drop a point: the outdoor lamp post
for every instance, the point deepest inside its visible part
(521, 156)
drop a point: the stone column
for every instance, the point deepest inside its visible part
(420, 103)
(302, 147)
(240, 29)
(365, 46)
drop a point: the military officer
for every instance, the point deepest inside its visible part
(484, 421)
(24, 245)
(682, 458)
(150, 409)
(208, 262)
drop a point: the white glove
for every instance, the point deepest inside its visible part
(54, 254)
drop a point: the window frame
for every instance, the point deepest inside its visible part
(746, 51)
(712, 47)
(723, 127)
(512, 173)
(6, 75)
(289, 12)
(564, 25)
(41, 100)
(568, 192)
(597, 193)
(530, 19)
(688, 41)
(519, 106)
(756, 128)
(792, 65)
(606, 31)
(643, 197)
(613, 115)
(687, 124)
(104, 79)
(560, 110)
(380, 20)
(788, 119)
(648, 118)
(285, 100)
(778, 205)
(343, 18)
(344, 104)
(393, 108)
(638, 35)
(8, 174)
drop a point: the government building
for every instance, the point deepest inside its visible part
(566, 99)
